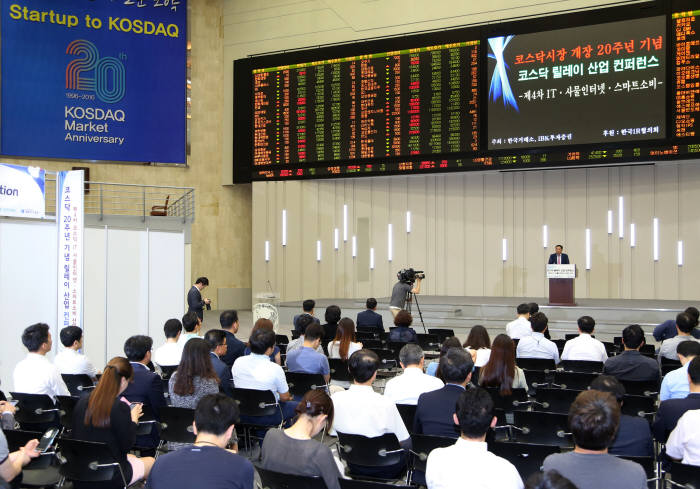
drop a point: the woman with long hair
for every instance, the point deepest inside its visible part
(500, 371)
(478, 344)
(195, 376)
(344, 345)
(294, 451)
(105, 417)
(264, 323)
(433, 367)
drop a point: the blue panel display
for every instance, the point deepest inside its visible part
(97, 80)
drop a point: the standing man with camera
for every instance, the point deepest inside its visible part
(409, 281)
(194, 298)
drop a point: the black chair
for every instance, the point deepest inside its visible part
(372, 344)
(366, 333)
(396, 346)
(300, 383)
(571, 336)
(146, 422)
(386, 357)
(611, 348)
(560, 344)
(363, 484)
(277, 480)
(668, 365)
(573, 380)
(644, 407)
(407, 412)
(441, 333)
(89, 462)
(256, 403)
(649, 388)
(541, 364)
(2, 396)
(536, 378)
(36, 410)
(581, 366)
(176, 424)
(541, 428)
(554, 400)
(78, 384)
(281, 339)
(517, 400)
(18, 438)
(648, 351)
(66, 405)
(167, 371)
(339, 370)
(429, 342)
(421, 446)
(370, 454)
(684, 476)
(527, 457)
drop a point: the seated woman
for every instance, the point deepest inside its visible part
(403, 332)
(266, 324)
(500, 371)
(343, 346)
(451, 342)
(104, 417)
(294, 451)
(478, 344)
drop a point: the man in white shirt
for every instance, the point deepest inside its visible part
(191, 325)
(361, 411)
(520, 327)
(468, 463)
(684, 327)
(405, 388)
(71, 361)
(170, 353)
(536, 345)
(684, 443)
(35, 374)
(585, 347)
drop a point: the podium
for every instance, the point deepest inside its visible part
(561, 284)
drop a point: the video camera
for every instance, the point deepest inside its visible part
(409, 275)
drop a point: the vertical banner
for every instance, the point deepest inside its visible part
(22, 191)
(69, 228)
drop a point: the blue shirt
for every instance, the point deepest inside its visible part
(307, 360)
(675, 384)
(431, 369)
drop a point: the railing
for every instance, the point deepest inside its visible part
(124, 199)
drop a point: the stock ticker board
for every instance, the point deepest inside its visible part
(627, 90)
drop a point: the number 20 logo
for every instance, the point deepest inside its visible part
(109, 75)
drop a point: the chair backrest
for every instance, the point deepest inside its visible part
(555, 400)
(34, 408)
(300, 383)
(366, 330)
(571, 336)
(574, 380)
(422, 445)
(66, 405)
(372, 344)
(688, 475)
(666, 368)
(649, 388)
(167, 199)
(167, 371)
(430, 342)
(541, 428)
(281, 339)
(581, 366)
(542, 364)
(253, 402)
(527, 457)
(78, 384)
(87, 461)
(18, 438)
(396, 346)
(380, 451)
(669, 361)
(639, 406)
(441, 333)
(407, 412)
(516, 400)
(176, 424)
(648, 350)
(535, 378)
(339, 370)
(277, 480)
(364, 484)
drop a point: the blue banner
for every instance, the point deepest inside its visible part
(98, 80)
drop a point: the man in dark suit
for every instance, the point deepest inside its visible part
(671, 410)
(370, 318)
(308, 307)
(435, 409)
(234, 347)
(194, 297)
(558, 258)
(146, 387)
(630, 364)
(217, 342)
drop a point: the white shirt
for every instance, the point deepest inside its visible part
(334, 349)
(256, 371)
(168, 354)
(470, 464)
(584, 347)
(36, 375)
(537, 346)
(71, 362)
(361, 411)
(684, 442)
(405, 388)
(518, 328)
(482, 356)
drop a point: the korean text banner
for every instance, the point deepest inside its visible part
(99, 80)
(21, 191)
(69, 227)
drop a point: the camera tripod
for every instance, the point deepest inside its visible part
(410, 297)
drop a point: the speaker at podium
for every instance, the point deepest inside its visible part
(561, 284)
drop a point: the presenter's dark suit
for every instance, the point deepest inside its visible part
(434, 412)
(147, 388)
(370, 318)
(553, 259)
(195, 302)
(223, 371)
(234, 348)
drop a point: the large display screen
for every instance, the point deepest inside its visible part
(591, 84)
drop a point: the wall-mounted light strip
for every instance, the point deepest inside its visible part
(656, 238)
(408, 221)
(284, 227)
(680, 253)
(371, 258)
(318, 250)
(390, 242)
(345, 222)
(588, 248)
(610, 221)
(504, 249)
(354, 246)
(545, 236)
(621, 217)
(336, 238)
(267, 251)
(633, 235)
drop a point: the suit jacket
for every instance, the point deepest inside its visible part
(370, 318)
(235, 349)
(633, 438)
(147, 388)
(403, 334)
(669, 412)
(223, 371)
(434, 412)
(195, 302)
(553, 259)
(297, 329)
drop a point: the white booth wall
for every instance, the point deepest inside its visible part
(134, 281)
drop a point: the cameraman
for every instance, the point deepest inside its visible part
(401, 290)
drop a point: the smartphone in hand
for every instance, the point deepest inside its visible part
(47, 440)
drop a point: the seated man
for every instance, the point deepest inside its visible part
(369, 317)
(630, 364)
(206, 463)
(520, 327)
(256, 371)
(667, 329)
(633, 438)
(169, 354)
(308, 310)
(671, 410)
(302, 323)
(71, 361)
(146, 387)
(35, 374)
(468, 463)
(234, 347)
(192, 325)
(593, 420)
(217, 343)
(435, 410)
(405, 388)
(683, 443)
(403, 333)
(535, 345)
(585, 347)
(307, 359)
(684, 328)
(675, 384)
(361, 411)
